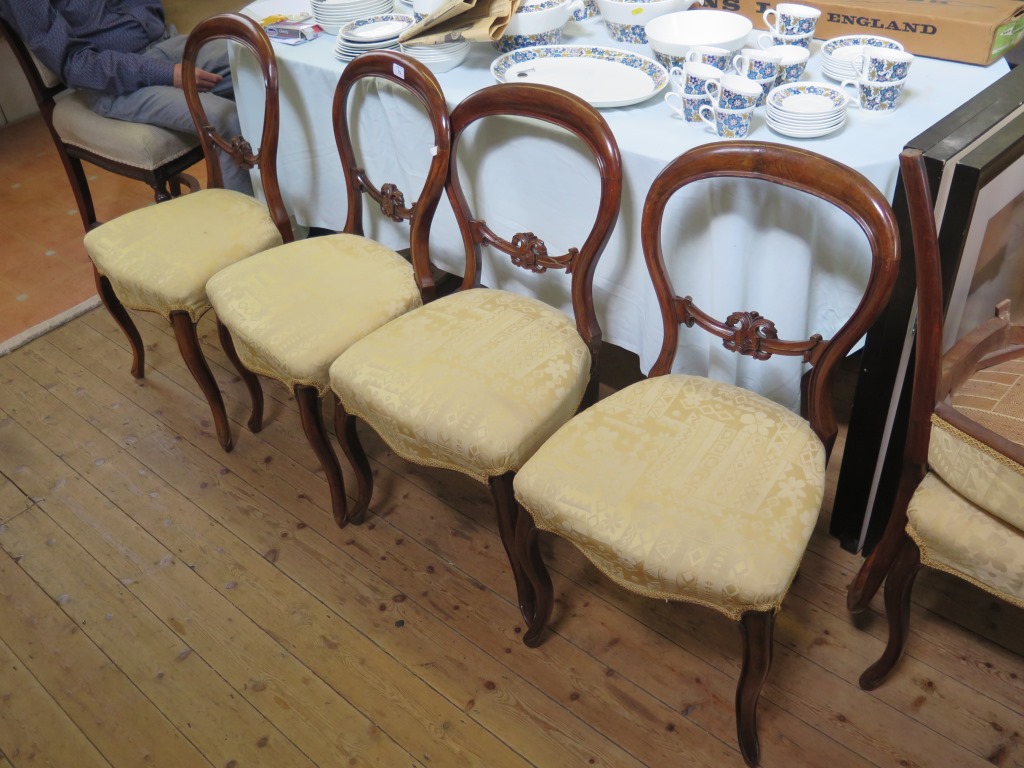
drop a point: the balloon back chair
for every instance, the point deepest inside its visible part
(960, 500)
(289, 312)
(158, 259)
(477, 380)
(683, 488)
(153, 155)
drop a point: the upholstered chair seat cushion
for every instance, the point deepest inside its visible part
(680, 487)
(135, 144)
(474, 381)
(159, 258)
(959, 537)
(982, 475)
(293, 310)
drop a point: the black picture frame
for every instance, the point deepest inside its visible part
(964, 152)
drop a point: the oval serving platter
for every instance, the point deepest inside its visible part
(603, 77)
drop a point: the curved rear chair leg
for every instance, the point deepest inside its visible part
(188, 345)
(757, 629)
(508, 511)
(898, 588)
(124, 322)
(345, 429)
(311, 414)
(252, 381)
(529, 558)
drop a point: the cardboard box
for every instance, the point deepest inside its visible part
(971, 31)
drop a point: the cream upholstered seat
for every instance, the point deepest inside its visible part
(136, 252)
(683, 488)
(514, 370)
(958, 505)
(751, 472)
(290, 312)
(477, 380)
(153, 155)
(159, 258)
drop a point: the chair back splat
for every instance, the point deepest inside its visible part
(525, 249)
(246, 32)
(156, 156)
(747, 332)
(395, 68)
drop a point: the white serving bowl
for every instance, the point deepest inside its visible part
(626, 19)
(675, 34)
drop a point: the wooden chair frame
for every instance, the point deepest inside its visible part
(525, 250)
(246, 32)
(417, 80)
(166, 180)
(896, 559)
(748, 333)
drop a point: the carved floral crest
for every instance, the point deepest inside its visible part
(392, 202)
(529, 252)
(750, 330)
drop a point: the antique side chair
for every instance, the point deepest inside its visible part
(158, 259)
(477, 380)
(683, 488)
(289, 312)
(153, 155)
(960, 499)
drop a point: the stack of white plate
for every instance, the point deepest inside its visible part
(371, 33)
(839, 53)
(332, 15)
(439, 58)
(806, 110)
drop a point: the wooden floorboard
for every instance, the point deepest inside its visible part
(165, 603)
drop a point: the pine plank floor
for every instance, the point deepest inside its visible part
(165, 604)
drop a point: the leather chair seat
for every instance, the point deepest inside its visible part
(293, 310)
(160, 258)
(474, 382)
(683, 488)
(141, 146)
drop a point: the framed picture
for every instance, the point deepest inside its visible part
(975, 163)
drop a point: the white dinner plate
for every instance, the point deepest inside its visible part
(376, 29)
(603, 77)
(801, 133)
(807, 98)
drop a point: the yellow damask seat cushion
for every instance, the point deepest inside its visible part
(959, 537)
(683, 488)
(293, 310)
(980, 474)
(475, 381)
(159, 258)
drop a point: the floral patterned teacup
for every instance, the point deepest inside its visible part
(708, 54)
(876, 97)
(727, 123)
(794, 62)
(757, 64)
(735, 92)
(693, 77)
(883, 65)
(791, 19)
(687, 106)
(767, 40)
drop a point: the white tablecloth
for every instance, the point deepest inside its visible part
(745, 246)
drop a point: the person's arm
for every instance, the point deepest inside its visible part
(77, 61)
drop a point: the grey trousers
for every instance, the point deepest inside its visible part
(164, 105)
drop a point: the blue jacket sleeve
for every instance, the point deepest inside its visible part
(79, 62)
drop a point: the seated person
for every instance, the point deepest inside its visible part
(127, 61)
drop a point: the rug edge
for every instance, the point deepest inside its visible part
(33, 333)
